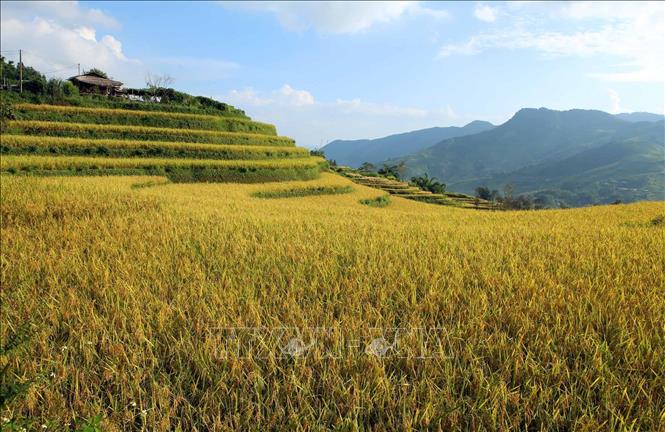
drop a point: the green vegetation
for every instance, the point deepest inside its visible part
(139, 118)
(304, 191)
(124, 132)
(178, 170)
(37, 89)
(86, 135)
(558, 158)
(381, 201)
(354, 153)
(35, 145)
(417, 192)
(428, 183)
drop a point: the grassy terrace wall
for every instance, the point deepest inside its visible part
(140, 118)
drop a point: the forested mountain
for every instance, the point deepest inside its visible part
(354, 152)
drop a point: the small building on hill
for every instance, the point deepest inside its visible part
(91, 82)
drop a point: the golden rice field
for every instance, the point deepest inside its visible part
(122, 131)
(128, 286)
(34, 145)
(76, 114)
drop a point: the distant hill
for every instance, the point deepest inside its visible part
(354, 152)
(640, 117)
(579, 157)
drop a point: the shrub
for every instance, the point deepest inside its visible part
(382, 201)
(306, 191)
(429, 184)
(70, 90)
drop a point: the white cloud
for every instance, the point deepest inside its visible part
(284, 96)
(87, 33)
(56, 36)
(616, 102)
(245, 98)
(485, 13)
(48, 46)
(313, 123)
(385, 110)
(336, 16)
(67, 13)
(290, 96)
(633, 33)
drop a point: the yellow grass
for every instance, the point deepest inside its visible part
(552, 320)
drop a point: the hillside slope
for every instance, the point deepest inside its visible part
(47, 139)
(354, 152)
(640, 117)
(538, 138)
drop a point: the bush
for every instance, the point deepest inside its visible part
(429, 184)
(70, 90)
(54, 89)
(382, 201)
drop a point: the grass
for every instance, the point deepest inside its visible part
(177, 170)
(40, 145)
(553, 320)
(76, 114)
(110, 131)
(304, 191)
(381, 201)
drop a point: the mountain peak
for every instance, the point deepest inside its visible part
(478, 123)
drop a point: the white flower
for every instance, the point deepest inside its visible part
(144, 412)
(132, 404)
(44, 426)
(52, 374)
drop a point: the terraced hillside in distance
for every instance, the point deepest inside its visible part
(46, 139)
(405, 190)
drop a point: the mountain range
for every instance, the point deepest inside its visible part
(564, 158)
(354, 152)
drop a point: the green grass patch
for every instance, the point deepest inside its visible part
(382, 201)
(151, 183)
(303, 192)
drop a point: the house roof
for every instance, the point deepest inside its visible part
(94, 79)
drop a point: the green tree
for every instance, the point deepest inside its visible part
(367, 167)
(99, 72)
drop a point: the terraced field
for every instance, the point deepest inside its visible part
(70, 140)
(404, 190)
(547, 320)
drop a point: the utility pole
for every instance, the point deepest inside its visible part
(20, 71)
(79, 66)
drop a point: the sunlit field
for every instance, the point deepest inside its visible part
(125, 288)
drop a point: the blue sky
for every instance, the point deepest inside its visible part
(322, 70)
